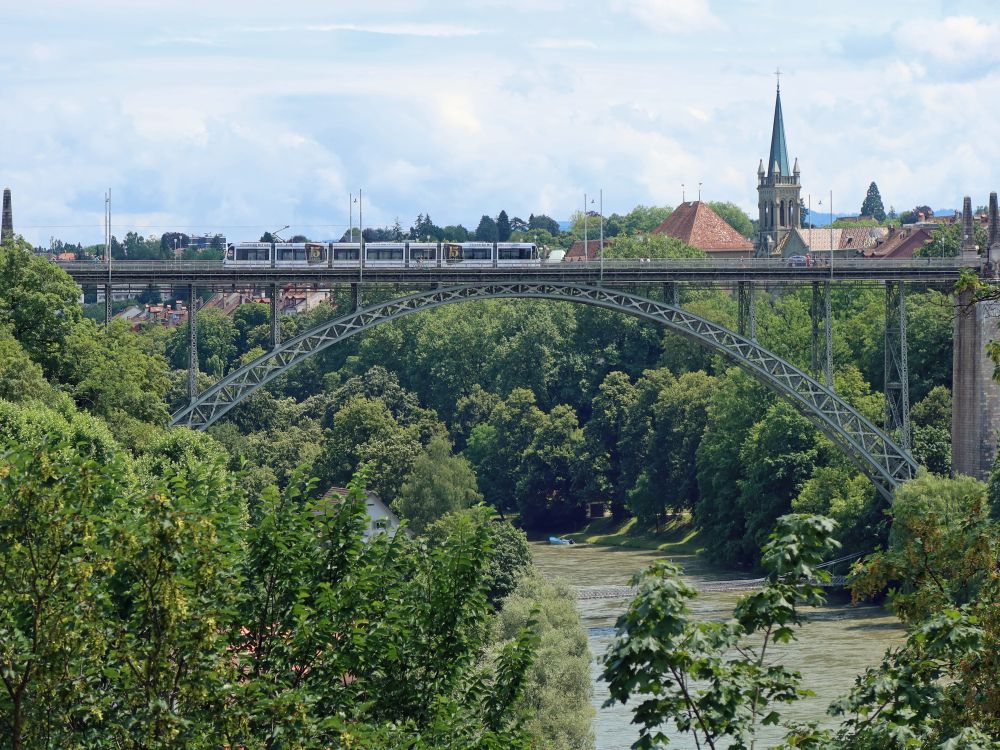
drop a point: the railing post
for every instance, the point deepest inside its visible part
(192, 344)
(275, 313)
(747, 315)
(897, 376)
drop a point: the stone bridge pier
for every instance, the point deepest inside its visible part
(975, 418)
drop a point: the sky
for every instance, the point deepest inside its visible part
(243, 116)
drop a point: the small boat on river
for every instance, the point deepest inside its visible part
(560, 540)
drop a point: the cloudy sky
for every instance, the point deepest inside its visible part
(241, 116)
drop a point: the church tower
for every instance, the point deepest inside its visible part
(778, 189)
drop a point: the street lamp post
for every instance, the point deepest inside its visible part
(586, 249)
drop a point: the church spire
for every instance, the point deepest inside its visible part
(779, 151)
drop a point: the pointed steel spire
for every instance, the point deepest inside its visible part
(779, 150)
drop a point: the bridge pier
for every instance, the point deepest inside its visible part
(897, 373)
(672, 293)
(822, 345)
(975, 416)
(108, 294)
(747, 316)
(275, 312)
(192, 344)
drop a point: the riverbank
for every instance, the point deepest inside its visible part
(677, 536)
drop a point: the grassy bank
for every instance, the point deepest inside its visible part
(677, 536)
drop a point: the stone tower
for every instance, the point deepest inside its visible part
(968, 229)
(778, 190)
(7, 226)
(993, 238)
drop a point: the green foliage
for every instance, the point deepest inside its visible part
(217, 336)
(21, 379)
(38, 303)
(510, 556)
(649, 246)
(872, 205)
(503, 227)
(487, 230)
(495, 448)
(558, 686)
(439, 483)
(54, 554)
(551, 473)
(946, 241)
(734, 216)
(112, 375)
(711, 678)
(365, 431)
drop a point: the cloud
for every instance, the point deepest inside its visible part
(671, 16)
(564, 43)
(956, 41)
(435, 30)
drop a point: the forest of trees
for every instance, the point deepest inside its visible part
(114, 529)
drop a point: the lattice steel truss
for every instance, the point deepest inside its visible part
(822, 341)
(871, 449)
(192, 323)
(746, 320)
(897, 373)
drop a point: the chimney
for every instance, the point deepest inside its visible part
(7, 224)
(968, 230)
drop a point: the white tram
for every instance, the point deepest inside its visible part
(381, 254)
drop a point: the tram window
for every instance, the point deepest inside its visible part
(345, 253)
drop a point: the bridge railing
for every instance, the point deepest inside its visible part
(633, 264)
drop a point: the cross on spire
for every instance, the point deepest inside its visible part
(777, 74)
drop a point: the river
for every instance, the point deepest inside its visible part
(838, 643)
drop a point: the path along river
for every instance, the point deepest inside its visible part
(838, 643)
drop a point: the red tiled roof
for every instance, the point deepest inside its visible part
(902, 243)
(858, 238)
(694, 223)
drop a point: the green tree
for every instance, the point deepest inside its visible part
(169, 665)
(503, 227)
(510, 555)
(734, 216)
(603, 432)
(54, 555)
(21, 379)
(38, 303)
(942, 559)
(217, 338)
(376, 645)
(872, 205)
(495, 448)
(487, 230)
(439, 483)
(365, 431)
(544, 223)
(558, 686)
(110, 374)
(548, 488)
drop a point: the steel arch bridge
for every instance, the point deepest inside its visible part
(874, 452)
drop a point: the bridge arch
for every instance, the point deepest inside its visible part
(874, 452)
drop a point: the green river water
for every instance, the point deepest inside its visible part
(838, 643)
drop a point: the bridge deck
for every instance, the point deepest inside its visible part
(214, 274)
